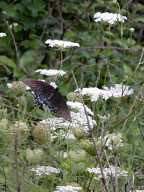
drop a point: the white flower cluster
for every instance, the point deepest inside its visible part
(13, 25)
(79, 106)
(53, 84)
(67, 188)
(110, 171)
(51, 72)
(118, 90)
(137, 190)
(110, 18)
(79, 119)
(3, 34)
(45, 170)
(61, 44)
(113, 141)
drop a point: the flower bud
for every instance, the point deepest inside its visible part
(21, 129)
(79, 133)
(34, 156)
(73, 97)
(89, 146)
(4, 124)
(40, 134)
(17, 86)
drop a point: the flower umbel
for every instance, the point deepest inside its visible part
(110, 171)
(51, 72)
(3, 34)
(110, 18)
(61, 44)
(45, 170)
(118, 90)
(68, 188)
(79, 119)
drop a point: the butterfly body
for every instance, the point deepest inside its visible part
(48, 96)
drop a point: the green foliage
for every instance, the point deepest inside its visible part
(108, 55)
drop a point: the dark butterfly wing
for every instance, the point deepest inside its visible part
(46, 95)
(2, 94)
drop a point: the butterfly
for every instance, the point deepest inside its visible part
(48, 96)
(2, 94)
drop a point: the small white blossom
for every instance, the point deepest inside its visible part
(13, 25)
(118, 90)
(110, 18)
(110, 171)
(61, 44)
(3, 34)
(68, 188)
(51, 72)
(45, 170)
(132, 29)
(9, 85)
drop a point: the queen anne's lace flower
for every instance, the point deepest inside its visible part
(110, 18)
(45, 170)
(110, 171)
(79, 119)
(118, 90)
(67, 188)
(61, 44)
(51, 72)
(79, 106)
(13, 25)
(3, 34)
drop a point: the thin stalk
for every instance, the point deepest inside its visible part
(97, 157)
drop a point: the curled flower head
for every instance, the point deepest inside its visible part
(110, 171)
(51, 72)
(45, 170)
(110, 18)
(61, 44)
(113, 141)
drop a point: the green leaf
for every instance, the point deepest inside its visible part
(30, 60)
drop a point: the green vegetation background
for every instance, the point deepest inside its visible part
(108, 55)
